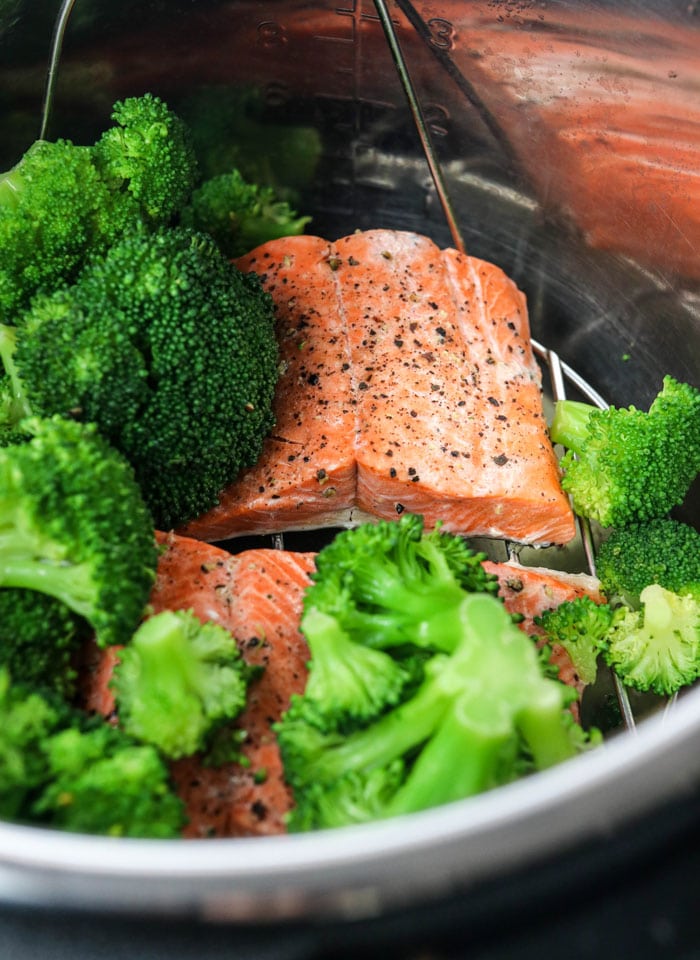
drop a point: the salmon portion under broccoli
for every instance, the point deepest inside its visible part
(258, 595)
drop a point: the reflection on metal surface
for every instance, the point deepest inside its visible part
(593, 109)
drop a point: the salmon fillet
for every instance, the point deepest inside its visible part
(410, 384)
(529, 591)
(307, 467)
(257, 595)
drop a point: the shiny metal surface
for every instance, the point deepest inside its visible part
(569, 138)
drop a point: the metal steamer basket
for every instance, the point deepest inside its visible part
(559, 140)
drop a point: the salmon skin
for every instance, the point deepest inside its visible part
(409, 383)
(257, 595)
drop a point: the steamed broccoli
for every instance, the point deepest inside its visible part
(170, 350)
(233, 129)
(148, 154)
(654, 645)
(394, 582)
(658, 646)
(63, 204)
(73, 525)
(60, 768)
(240, 215)
(624, 465)
(581, 627)
(178, 681)
(436, 692)
(383, 586)
(349, 682)
(663, 551)
(39, 637)
(482, 715)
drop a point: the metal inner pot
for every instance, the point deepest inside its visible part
(553, 124)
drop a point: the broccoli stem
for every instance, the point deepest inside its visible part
(658, 614)
(166, 658)
(25, 566)
(570, 423)
(11, 185)
(540, 724)
(437, 778)
(392, 736)
(17, 408)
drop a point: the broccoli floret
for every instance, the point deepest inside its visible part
(39, 637)
(392, 583)
(481, 716)
(422, 688)
(663, 551)
(26, 720)
(382, 586)
(100, 781)
(232, 130)
(73, 525)
(240, 215)
(348, 681)
(178, 681)
(13, 406)
(171, 351)
(61, 769)
(581, 627)
(657, 647)
(624, 465)
(149, 154)
(63, 203)
(51, 207)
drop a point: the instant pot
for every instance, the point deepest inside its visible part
(559, 139)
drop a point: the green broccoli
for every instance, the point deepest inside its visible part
(39, 638)
(663, 551)
(349, 682)
(394, 582)
(148, 154)
(240, 215)
(657, 647)
(170, 350)
(383, 586)
(178, 681)
(63, 204)
(624, 465)
(61, 769)
(73, 525)
(581, 627)
(422, 688)
(232, 129)
(482, 715)
(27, 717)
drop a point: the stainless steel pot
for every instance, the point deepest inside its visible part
(568, 134)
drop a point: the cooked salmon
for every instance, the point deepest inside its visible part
(257, 595)
(410, 384)
(307, 467)
(529, 591)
